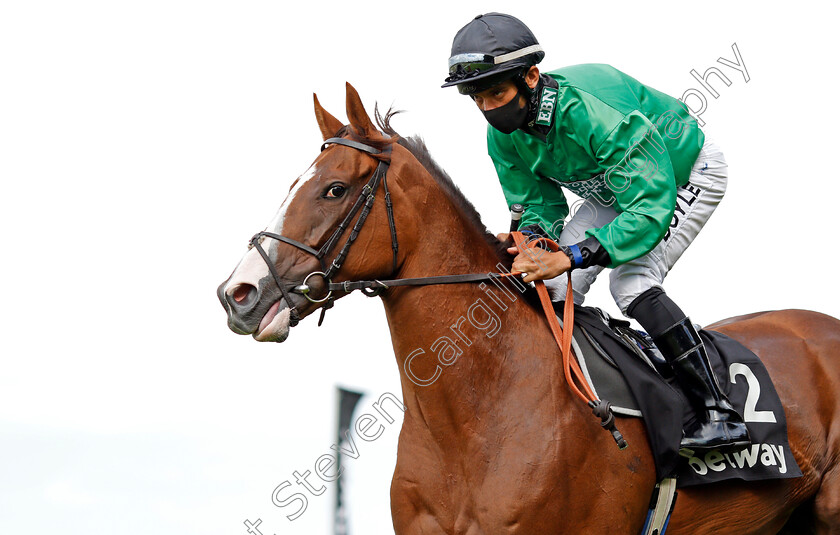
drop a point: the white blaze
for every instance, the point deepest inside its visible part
(276, 224)
(252, 268)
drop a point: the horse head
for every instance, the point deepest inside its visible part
(286, 272)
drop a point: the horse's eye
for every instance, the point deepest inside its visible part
(335, 191)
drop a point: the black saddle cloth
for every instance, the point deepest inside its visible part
(625, 368)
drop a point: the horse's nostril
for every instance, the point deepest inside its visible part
(243, 293)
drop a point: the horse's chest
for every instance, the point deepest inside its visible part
(475, 496)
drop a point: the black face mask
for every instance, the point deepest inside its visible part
(507, 118)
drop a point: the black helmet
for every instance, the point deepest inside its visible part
(485, 51)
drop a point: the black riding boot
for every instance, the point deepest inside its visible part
(718, 424)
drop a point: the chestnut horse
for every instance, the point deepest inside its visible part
(492, 440)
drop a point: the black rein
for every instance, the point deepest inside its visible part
(364, 203)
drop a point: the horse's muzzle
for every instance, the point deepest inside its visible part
(246, 305)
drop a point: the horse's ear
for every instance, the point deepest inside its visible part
(328, 124)
(359, 118)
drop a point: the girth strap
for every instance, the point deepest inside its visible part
(661, 506)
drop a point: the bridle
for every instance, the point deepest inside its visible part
(364, 202)
(373, 288)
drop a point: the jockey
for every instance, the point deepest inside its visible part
(647, 176)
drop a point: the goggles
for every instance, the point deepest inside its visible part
(465, 66)
(469, 65)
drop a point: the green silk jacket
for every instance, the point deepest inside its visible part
(602, 135)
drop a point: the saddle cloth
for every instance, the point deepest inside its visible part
(624, 367)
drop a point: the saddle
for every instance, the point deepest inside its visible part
(624, 367)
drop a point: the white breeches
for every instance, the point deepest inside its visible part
(695, 203)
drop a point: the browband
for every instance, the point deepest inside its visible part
(350, 143)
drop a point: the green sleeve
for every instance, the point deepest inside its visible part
(640, 175)
(543, 200)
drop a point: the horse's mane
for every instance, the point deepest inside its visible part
(418, 149)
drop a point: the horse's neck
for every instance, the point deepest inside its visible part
(464, 350)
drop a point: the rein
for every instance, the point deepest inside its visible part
(364, 203)
(370, 288)
(563, 337)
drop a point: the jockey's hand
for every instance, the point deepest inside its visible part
(539, 264)
(503, 237)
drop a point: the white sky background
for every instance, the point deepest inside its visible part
(143, 143)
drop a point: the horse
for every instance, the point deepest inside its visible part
(492, 441)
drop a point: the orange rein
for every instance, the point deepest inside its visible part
(571, 368)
